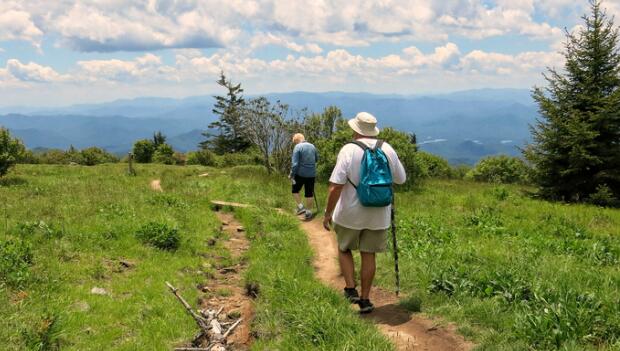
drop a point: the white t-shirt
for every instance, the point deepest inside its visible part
(349, 212)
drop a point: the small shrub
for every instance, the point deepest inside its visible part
(143, 151)
(201, 157)
(164, 154)
(15, 261)
(10, 151)
(93, 156)
(500, 169)
(603, 197)
(412, 303)
(159, 235)
(433, 166)
(46, 335)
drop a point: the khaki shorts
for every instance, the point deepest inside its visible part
(364, 240)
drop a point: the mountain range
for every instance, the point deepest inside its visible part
(462, 126)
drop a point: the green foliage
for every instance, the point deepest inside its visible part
(28, 157)
(603, 196)
(575, 148)
(158, 139)
(46, 335)
(230, 137)
(164, 154)
(159, 235)
(201, 157)
(249, 157)
(412, 303)
(15, 261)
(143, 151)
(94, 156)
(407, 153)
(10, 151)
(500, 169)
(433, 166)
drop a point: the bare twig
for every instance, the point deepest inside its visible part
(232, 327)
(197, 318)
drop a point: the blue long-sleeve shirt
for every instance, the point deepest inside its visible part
(304, 161)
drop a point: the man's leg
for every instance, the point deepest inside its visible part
(309, 203)
(368, 272)
(347, 268)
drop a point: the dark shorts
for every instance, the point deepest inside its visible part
(307, 183)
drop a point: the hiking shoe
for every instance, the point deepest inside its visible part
(351, 295)
(300, 209)
(308, 215)
(366, 306)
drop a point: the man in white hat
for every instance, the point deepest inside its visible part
(358, 227)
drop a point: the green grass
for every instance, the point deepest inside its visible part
(293, 310)
(66, 228)
(79, 222)
(513, 273)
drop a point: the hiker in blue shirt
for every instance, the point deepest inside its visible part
(303, 174)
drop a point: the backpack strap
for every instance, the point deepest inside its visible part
(378, 145)
(364, 148)
(359, 143)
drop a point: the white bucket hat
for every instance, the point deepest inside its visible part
(364, 124)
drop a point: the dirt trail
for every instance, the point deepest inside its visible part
(225, 288)
(229, 279)
(407, 331)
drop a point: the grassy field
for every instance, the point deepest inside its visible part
(513, 272)
(64, 230)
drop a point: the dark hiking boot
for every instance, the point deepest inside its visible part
(351, 295)
(308, 215)
(366, 306)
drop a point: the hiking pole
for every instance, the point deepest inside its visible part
(395, 250)
(316, 203)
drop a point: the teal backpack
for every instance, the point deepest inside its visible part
(375, 186)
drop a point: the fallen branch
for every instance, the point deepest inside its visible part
(189, 309)
(232, 327)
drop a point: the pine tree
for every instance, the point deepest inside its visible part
(230, 137)
(576, 143)
(158, 139)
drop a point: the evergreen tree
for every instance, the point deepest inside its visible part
(158, 139)
(230, 137)
(576, 143)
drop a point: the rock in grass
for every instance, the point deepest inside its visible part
(240, 229)
(98, 291)
(81, 306)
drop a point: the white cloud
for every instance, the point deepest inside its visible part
(32, 72)
(301, 26)
(18, 25)
(264, 39)
(148, 67)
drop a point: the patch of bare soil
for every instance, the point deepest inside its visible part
(406, 330)
(226, 288)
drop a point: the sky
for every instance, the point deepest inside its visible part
(69, 52)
